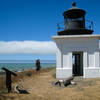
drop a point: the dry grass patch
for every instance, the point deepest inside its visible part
(40, 87)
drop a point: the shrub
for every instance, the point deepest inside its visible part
(28, 73)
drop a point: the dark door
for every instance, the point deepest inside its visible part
(78, 64)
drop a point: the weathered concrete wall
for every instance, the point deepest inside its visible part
(90, 49)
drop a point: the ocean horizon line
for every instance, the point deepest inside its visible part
(26, 61)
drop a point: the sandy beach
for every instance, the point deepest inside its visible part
(40, 87)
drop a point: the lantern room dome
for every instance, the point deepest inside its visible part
(75, 23)
(74, 12)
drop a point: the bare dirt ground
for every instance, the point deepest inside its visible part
(40, 88)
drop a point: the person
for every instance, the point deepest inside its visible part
(38, 65)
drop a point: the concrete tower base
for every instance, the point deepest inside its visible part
(86, 47)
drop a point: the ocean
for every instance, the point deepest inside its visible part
(19, 65)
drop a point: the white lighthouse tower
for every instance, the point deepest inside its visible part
(77, 47)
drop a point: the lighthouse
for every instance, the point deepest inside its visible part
(77, 47)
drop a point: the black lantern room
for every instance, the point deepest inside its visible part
(75, 23)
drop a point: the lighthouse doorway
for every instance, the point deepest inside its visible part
(77, 63)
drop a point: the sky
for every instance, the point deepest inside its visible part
(27, 26)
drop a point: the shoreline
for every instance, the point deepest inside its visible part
(24, 66)
(25, 70)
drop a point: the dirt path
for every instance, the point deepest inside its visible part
(41, 88)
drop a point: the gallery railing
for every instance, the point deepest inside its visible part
(88, 25)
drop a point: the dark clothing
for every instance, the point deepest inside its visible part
(38, 65)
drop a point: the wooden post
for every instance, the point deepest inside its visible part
(8, 78)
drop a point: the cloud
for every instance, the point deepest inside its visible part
(27, 47)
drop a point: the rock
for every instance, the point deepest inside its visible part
(61, 81)
(68, 81)
(73, 83)
(19, 90)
